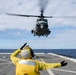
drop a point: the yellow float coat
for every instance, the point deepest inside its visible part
(30, 66)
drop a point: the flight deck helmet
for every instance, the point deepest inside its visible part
(27, 52)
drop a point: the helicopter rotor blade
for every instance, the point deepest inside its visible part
(41, 16)
(59, 16)
(22, 15)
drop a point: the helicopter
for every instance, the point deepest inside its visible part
(41, 28)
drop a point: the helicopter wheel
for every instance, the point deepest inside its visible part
(32, 31)
(39, 36)
(34, 35)
(49, 32)
(46, 35)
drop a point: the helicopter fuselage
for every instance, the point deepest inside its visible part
(41, 28)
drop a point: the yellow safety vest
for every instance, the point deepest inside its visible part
(27, 67)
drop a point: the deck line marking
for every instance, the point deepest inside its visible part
(65, 70)
(4, 63)
(5, 67)
(65, 57)
(49, 71)
(11, 71)
(5, 60)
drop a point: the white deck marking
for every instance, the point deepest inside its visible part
(11, 71)
(5, 60)
(65, 70)
(5, 67)
(4, 63)
(65, 57)
(5, 53)
(49, 71)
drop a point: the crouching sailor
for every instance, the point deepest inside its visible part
(27, 66)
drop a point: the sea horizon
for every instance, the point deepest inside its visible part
(65, 52)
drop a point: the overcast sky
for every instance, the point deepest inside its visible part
(15, 31)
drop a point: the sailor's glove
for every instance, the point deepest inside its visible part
(23, 46)
(63, 63)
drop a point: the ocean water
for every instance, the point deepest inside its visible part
(65, 52)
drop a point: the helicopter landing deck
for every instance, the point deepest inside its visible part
(7, 68)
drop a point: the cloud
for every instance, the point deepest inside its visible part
(56, 8)
(17, 29)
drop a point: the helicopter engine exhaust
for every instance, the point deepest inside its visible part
(43, 4)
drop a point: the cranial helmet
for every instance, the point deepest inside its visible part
(27, 52)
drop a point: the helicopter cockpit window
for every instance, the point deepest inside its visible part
(42, 22)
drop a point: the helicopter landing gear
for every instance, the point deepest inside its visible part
(46, 35)
(32, 31)
(34, 35)
(48, 32)
(39, 35)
